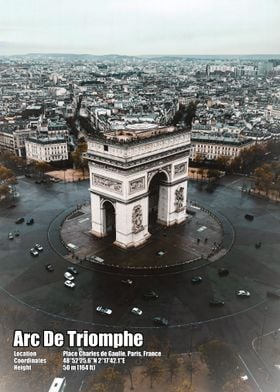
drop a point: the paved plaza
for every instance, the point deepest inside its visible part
(200, 237)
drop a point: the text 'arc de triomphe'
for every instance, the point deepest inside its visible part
(126, 167)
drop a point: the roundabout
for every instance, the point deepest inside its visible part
(183, 303)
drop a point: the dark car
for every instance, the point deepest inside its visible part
(249, 217)
(150, 294)
(49, 267)
(223, 272)
(19, 220)
(160, 321)
(216, 302)
(72, 270)
(196, 279)
(273, 294)
(30, 221)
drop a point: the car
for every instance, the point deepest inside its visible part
(34, 252)
(72, 270)
(273, 294)
(249, 217)
(243, 293)
(216, 302)
(19, 220)
(10, 236)
(127, 281)
(150, 294)
(68, 276)
(103, 310)
(160, 321)
(39, 247)
(49, 267)
(160, 253)
(30, 221)
(69, 284)
(12, 206)
(196, 279)
(27, 175)
(136, 311)
(223, 272)
(16, 233)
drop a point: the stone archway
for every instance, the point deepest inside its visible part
(109, 218)
(156, 198)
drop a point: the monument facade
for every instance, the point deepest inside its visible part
(138, 175)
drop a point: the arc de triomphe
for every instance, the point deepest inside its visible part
(137, 173)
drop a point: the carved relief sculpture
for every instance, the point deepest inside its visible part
(136, 185)
(180, 169)
(179, 199)
(137, 219)
(108, 183)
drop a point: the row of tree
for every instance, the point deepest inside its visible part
(248, 160)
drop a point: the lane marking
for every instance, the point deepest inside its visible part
(251, 374)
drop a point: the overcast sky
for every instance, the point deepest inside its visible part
(136, 27)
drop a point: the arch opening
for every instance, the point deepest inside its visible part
(109, 219)
(155, 199)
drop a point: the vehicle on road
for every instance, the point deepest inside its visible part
(30, 222)
(10, 236)
(216, 302)
(72, 270)
(69, 283)
(38, 247)
(136, 311)
(273, 294)
(16, 233)
(196, 279)
(68, 276)
(103, 310)
(127, 281)
(223, 272)
(150, 294)
(249, 217)
(160, 253)
(19, 220)
(243, 293)
(49, 267)
(161, 321)
(34, 252)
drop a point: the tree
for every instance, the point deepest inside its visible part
(236, 385)
(77, 156)
(172, 367)
(221, 361)
(7, 180)
(185, 386)
(213, 174)
(190, 113)
(153, 370)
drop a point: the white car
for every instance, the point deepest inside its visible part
(38, 247)
(127, 281)
(136, 311)
(34, 252)
(10, 236)
(68, 276)
(243, 293)
(70, 284)
(101, 309)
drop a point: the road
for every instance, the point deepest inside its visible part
(25, 282)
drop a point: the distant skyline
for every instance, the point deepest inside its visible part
(140, 27)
